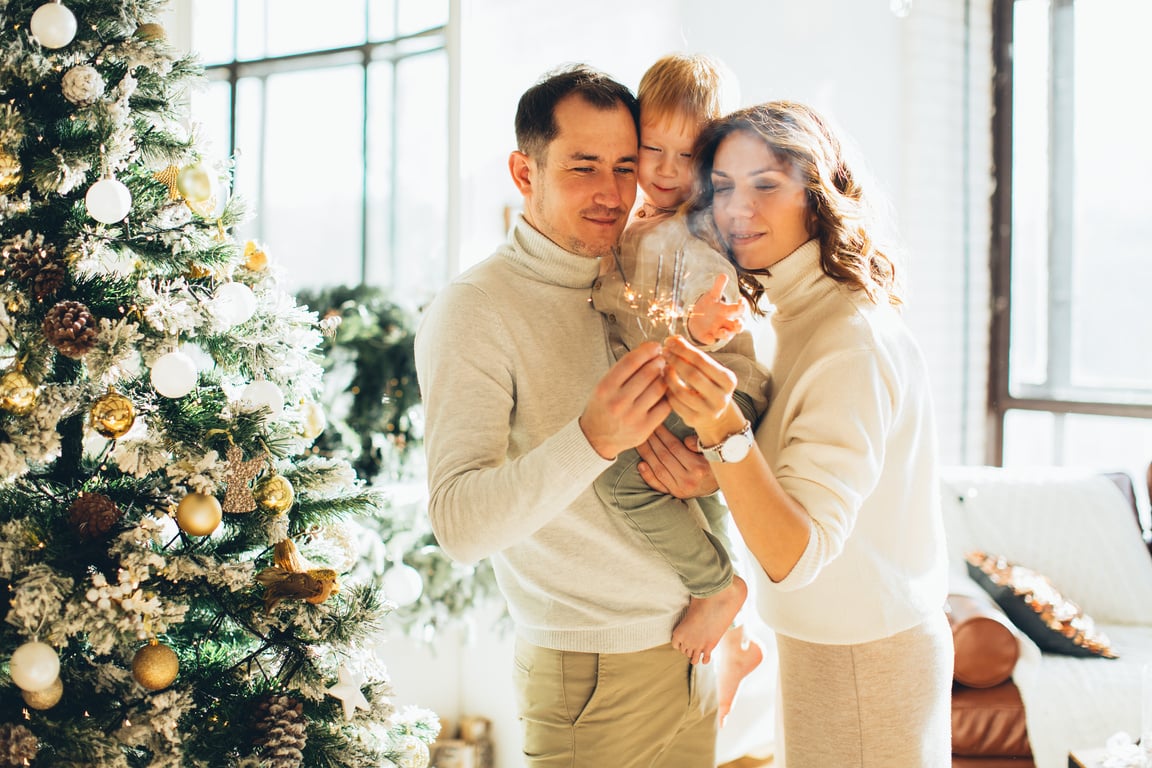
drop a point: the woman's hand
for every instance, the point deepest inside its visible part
(700, 391)
(674, 467)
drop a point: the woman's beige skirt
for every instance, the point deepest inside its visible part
(884, 703)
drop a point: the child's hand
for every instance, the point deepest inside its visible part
(712, 320)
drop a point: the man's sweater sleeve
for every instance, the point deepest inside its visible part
(480, 501)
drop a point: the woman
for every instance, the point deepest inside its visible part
(836, 495)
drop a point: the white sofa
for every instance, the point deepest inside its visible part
(1076, 528)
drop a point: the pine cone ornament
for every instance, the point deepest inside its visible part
(283, 731)
(70, 327)
(28, 259)
(93, 515)
(18, 746)
(49, 279)
(82, 85)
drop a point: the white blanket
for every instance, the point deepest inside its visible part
(1075, 703)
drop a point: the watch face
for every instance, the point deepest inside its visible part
(736, 447)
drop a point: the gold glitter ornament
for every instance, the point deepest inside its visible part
(155, 666)
(198, 514)
(11, 174)
(17, 393)
(112, 415)
(167, 177)
(238, 496)
(274, 494)
(45, 698)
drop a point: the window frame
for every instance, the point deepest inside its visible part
(1047, 399)
(392, 50)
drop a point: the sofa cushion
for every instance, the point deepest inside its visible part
(1073, 526)
(989, 722)
(1054, 623)
(986, 648)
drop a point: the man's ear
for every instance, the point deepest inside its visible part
(522, 168)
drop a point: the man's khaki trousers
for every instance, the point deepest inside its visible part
(649, 709)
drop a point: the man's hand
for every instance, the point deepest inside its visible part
(628, 403)
(675, 467)
(714, 320)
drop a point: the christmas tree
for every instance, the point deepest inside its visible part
(372, 405)
(173, 553)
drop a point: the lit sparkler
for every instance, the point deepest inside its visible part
(667, 305)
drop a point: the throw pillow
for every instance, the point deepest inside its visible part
(1033, 604)
(1073, 526)
(986, 649)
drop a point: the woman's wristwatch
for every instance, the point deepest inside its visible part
(732, 448)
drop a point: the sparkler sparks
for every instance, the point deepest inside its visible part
(665, 302)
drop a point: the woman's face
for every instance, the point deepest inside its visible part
(760, 209)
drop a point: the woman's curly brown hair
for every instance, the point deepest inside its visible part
(837, 205)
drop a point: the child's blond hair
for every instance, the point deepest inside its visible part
(686, 85)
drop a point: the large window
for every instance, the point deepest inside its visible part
(1072, 260)
(338, 115)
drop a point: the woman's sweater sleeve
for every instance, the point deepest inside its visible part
(833, 450)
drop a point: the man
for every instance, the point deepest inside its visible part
(524, 408)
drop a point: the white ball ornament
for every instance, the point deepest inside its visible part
(108, 201)
(412, 752)
(402, 584)
(53, 25)
(174, 375)
(264, 393)
(34, 666)
(233, 303)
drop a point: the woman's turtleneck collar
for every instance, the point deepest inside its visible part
(795, 280)
(537, 254)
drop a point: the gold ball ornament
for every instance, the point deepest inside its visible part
(198, 514)
(11, 173)
(312, 420)
(112, 415)
(274, 494)
(194, 184)
(17, 393)
(151, 31)
(45, 698)
(155, 666)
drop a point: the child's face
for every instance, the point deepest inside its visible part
(665, 169)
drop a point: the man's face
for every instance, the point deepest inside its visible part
(579, 194)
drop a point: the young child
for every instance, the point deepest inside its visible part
(661, 268)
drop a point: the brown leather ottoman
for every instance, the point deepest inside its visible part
(988, 725)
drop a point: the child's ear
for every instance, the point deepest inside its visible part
(522, 168)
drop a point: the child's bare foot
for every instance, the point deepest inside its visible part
(706, 621)
(737, 655)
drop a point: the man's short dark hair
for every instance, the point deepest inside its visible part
(536, 113)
